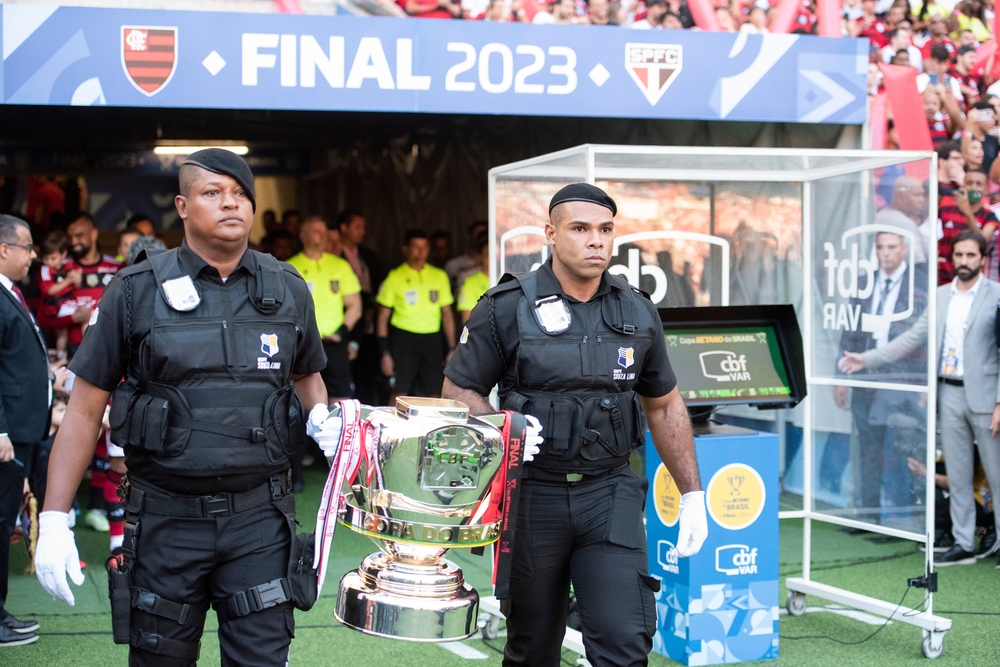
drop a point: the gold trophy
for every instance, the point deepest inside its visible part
(422, 486)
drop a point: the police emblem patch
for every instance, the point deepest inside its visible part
(335, 286)
(149, 57)
(625, 358)
(434, 296)
(269, 344)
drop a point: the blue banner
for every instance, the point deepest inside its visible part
(142, 58)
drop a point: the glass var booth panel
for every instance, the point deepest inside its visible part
(870, 286)
(762, 222)
(521, 206)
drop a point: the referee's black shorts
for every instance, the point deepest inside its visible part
(418, 360)
(337, 374)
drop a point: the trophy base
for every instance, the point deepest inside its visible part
(365, 606)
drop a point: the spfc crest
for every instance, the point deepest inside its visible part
(625, 358)
(653, 67)
(149, 56)
(269, 344)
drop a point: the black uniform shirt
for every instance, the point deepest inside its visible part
(101, 358)
(478, 363)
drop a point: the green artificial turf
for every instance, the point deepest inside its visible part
(80, 636)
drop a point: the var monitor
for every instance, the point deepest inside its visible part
(736, 355)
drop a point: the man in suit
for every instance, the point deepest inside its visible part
(968, 367)
(24, 402)
(871, 408)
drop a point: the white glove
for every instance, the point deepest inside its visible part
(56, 555)
(317, 417)
(325, 429)
(693, 524)
(533, 440)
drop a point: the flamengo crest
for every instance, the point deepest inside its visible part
(149, 56)
(653, 67)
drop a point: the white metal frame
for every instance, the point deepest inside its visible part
(541, 167)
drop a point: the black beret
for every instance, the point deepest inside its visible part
(584, 192)
(221, 161)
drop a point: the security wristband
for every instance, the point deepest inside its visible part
(383, 345)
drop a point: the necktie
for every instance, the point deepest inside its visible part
(20, 297)
(885, 296)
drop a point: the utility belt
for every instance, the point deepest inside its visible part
(158, 418)
(536, 473)
(297, 587)
(586, 433)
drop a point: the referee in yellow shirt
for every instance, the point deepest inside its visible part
(476, 284)
(414, 299)
(336, 295)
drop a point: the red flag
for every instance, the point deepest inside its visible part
(703, 14)
(907, 106)
(828, 15)
(785, 20)
(983, 53)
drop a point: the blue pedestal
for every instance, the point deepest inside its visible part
(721, 605)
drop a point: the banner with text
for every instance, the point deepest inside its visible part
(144, 58)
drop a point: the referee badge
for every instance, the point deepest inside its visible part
(411, 297)
(434, 296)
(335, 286)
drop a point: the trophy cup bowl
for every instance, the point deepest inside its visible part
(420, 489)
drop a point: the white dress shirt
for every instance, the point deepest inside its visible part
(956, 322)
(889, 296)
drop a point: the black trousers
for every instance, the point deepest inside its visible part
(871, 443)
(11, 494)
(199, 561)
(591, 533)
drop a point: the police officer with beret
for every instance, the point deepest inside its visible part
(211, 357)
(584, 353)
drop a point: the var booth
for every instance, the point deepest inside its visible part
(717, 227)
(721, 605)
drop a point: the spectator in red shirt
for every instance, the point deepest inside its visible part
(871, 25)
(96, 271)
(969, 81)
(939, 35)
(963, 209)
(951, 168)
(56, 283)
(46, 202)
(942, 125)
(431, 9)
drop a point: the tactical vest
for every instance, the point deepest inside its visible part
(214, 395)
(579, 383)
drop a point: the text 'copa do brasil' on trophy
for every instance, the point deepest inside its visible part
(419, 479)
